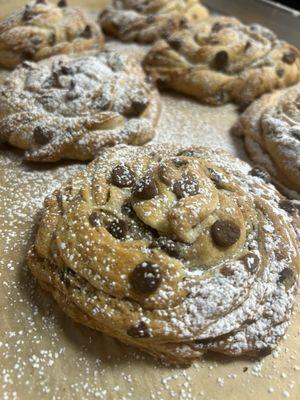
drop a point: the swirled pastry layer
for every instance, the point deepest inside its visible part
(175, 251)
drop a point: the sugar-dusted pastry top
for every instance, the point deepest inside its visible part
(148, 20)
(271, 129)
(174, 250)
(73, 106)
(41, 29)
(220, 60)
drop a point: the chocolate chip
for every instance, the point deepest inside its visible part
(127, 209)
(289, 57)
(175, 43)
(146, 189)
(52, 39)
(217, 27)
(289, 206)
(66, 70)
(185, 187)
(118, 228)
(215, 176)
(87, 32)
(169, 246)
(261, 173)
(245, 369)
(221, 60)
(251, 262)
(280, 72)
(287, 277)
(137, 107)
(36, 40)
(266, 351)
(145, 278)
(225, 232)
(27, 14)
(226, 271)
(186, 153)
(42, 136)
(62, 3)
(178, 162)
(138, 331)
(122, 176)
(94, 219)
(247, 46)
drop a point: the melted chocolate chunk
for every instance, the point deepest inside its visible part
(87, 32)
(186, 153)
(169, 246)
(145, 278)
(289, 57)
(261, 173)
(217, 27)
(27, 14)
(94, 219)
(62, 3)
(266, 351)
(139, 331)
(122, 176)
(185, 187)
(175, 43)
(118, 228)
(226, 271)
(127, 209)
(287, 277)
(251, 262)
(52, 39)
(137, 107)
(178, 162)
(42, 136)
(225, 232)
(215, 176)
(146, 189)
(280, 72)
(221, 60)
(289, 206)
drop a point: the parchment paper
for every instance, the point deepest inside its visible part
(44, 355)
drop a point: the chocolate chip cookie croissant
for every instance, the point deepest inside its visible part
(220, 59)
(42, 29)
(73, 106)
(148, 20)
(175, 251)
(271, 129)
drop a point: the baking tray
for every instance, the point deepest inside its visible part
(45, 355)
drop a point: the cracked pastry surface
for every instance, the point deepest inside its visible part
(146, 21)
(73, 106)
(220, 60)
(174, 250)
(41, 30)
(271, 130)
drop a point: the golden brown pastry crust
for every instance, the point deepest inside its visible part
(148, 20)
(73, 106)
(42, 29)
(271, 129)
(220, 60)
(175, 251)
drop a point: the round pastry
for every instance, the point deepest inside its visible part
(42, 29)
(146, 21)
(173, 250)
(271, 129)
(73, 106)
(220, 60)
